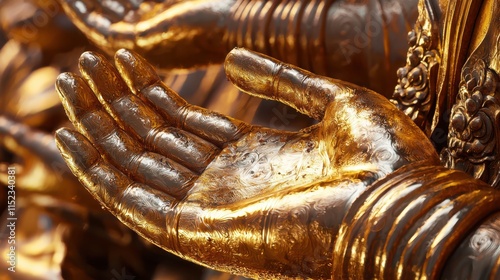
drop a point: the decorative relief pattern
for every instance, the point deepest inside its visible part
(414, 94)
(474, 122)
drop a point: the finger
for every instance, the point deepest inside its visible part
(268, 78)
(136, 116)
(143, 80)
(137, 205)
(116, 145)
(37, 142)
(102, 22)
(192, 30)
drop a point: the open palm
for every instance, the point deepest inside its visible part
(220, 192)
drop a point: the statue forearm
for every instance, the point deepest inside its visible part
(409, 225)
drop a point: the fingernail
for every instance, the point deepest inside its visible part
(88, 60)
(136, 71)
(76, 149)
(75, 95)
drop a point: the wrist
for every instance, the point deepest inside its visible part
(410, 222)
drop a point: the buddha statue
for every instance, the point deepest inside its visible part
(378, 188)
(361, 194)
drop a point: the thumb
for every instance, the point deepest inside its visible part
(268, 78)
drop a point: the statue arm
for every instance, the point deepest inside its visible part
(359, 42)
(422, 221)
(355, 185)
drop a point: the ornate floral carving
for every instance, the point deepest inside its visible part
(474, 125)
(413, 93)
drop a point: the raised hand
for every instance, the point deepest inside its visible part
(226, 194)
(172, 33)
(332, 38)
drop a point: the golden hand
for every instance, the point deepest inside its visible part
(360, 42)
(226, 194)
(172, 33)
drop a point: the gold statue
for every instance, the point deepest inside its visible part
(361, 194)
(228, 197)
(221, 192)
(356, 41)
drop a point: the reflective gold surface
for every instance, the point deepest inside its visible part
(359, 194)
(244, 221)
(356, 41)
